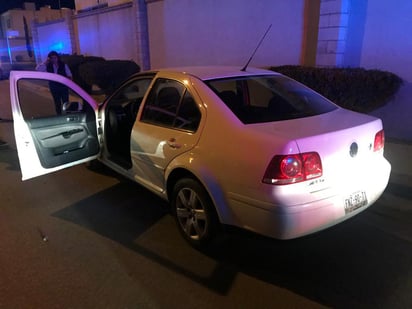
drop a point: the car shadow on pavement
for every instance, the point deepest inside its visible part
(354, 264)
(9, 156)
(121, 212)
(400, 190)
(125, 219)
(351, 265)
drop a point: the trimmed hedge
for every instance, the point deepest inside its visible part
(106, 74)
(74, 62)
(357, 89)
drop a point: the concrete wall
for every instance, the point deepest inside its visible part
(53, 36)
(109, 33)
(13, 27)
(13, 21)
(387, 43)
(85, 4)
(187, 32)
(366, 33)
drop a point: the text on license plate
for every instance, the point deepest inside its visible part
(355, 201)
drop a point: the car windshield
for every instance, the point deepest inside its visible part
(267, 98)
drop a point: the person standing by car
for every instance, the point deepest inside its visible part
(54, 64)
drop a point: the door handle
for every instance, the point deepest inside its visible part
(172, 143)
(65, 134)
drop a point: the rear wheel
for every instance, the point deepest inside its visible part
(194, 212)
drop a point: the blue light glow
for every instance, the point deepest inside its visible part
(58, 47)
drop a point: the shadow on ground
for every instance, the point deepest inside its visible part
(353, 264)
(401, 190)
(9, 156)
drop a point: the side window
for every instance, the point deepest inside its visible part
(188, 115)
(41, 99)
(229, 91)
(170, 105)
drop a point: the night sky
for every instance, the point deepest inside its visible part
(6, 5)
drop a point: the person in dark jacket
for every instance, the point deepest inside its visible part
(60, 93)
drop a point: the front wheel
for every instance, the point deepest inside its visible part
(194, 212)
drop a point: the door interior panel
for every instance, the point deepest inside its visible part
(63, 139)
(58, 138)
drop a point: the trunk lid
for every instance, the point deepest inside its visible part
(343, 139)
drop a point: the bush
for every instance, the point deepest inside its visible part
(74, 62)
(352, 88)
(107, 75)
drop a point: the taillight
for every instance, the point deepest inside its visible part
(286, 169)
(379, 142)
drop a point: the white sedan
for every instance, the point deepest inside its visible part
(252, 149)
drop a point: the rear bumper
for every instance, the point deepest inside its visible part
(292, 221)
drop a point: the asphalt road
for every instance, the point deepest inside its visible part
(87, 238)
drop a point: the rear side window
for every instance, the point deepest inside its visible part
(268, 98)
(171, 105)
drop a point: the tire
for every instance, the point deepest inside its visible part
(194, 212)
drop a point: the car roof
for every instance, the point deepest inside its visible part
(216, 72)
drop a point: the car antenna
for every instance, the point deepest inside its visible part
(261, 40)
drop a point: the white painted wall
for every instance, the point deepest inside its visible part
(225, 32)
(387, 42)
(110, 35)
(387, 45)
(53, 36)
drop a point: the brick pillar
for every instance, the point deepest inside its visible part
(333, 30)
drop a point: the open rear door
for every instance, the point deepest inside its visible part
(48, 139)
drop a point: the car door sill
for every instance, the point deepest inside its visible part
(120, 161)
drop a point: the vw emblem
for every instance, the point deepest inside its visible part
(353, 151)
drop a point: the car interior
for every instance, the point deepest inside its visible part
(58, 139)
(120, 117)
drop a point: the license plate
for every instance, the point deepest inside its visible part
(355, 201)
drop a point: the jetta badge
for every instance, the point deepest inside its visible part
(353, 151)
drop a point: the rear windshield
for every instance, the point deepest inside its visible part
(267, 98)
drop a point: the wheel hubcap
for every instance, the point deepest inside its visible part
(191, 213)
